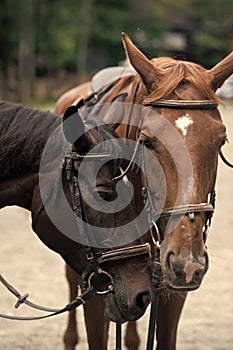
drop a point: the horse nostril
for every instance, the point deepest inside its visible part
(142, 299)
(175, 265)
(185, 270)
(198, 273)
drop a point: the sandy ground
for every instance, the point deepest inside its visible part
(207, 320)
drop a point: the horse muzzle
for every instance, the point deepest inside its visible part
(121, 308)
(184, 273)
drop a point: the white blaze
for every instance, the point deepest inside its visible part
(183, 123)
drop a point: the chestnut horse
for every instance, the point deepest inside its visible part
(179, 123)
(42, 172)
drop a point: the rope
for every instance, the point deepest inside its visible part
(22, 299)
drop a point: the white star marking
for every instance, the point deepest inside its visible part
(183, 123)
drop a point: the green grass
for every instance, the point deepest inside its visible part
(47, 104)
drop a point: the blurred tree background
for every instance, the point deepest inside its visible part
(47, 47)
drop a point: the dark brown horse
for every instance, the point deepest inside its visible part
(178, 121)
(71, 191)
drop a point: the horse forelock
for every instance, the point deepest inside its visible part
(172, 76)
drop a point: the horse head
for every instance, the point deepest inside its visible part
(108, 225)
(64, 171)
(183, 131)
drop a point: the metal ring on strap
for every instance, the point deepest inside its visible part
(102, 282)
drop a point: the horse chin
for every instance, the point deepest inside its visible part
(115, 313)
(112, 311)
(181, 282)
(177, 287)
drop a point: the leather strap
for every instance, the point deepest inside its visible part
(186, 209)
(182, 104)
(124, 253)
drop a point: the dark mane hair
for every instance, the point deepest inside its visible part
(24, 133)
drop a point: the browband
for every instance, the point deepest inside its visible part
(183, 104)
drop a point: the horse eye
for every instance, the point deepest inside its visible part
(148, 144)
(106, 196)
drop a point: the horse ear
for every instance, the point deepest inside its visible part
(73, 127)
(141, 63)
(221, 72)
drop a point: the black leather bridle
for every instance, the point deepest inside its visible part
(94, 279)
(95, 256)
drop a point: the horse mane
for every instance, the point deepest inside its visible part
(174, 74)
(24, 132)
(23, 135)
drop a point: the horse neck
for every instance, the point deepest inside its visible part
(24, 132)
(18, 191)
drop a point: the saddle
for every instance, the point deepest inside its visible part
(108, 75)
